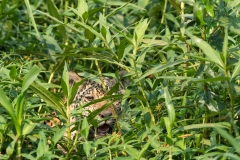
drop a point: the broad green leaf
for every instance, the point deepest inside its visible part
(233, 3)
(210, 10)
(213, 106)
(20, 107)
(236, 71)
(121, 48)
(53, 45)
(85, 128)
(143, 3)
(198, 139)
(59, 134)
(8, 106)
(168, 126)
(49, 97)
(82, 7)
(65, 81)
(43, 147)
(52, 9)
(11, 147)
(171, 17)
(169, 105)
(27, 81)
(28, 126)
(198, 11)
(212, 54)
(87, 147)
(13, 73)
(139, 31)
(134, 153)
(74, 90)
(30, 77)
(3, 124)
(3, 5)
(28, 156)
(89, 35)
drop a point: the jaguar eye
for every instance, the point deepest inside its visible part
(89, 98)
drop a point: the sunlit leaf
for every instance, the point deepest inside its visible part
(58, 135)
(212, 54)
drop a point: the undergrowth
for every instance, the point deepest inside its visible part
(182, 59)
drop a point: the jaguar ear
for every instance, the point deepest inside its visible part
(73, 77)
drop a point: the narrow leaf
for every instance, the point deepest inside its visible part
(65, 81)
(59, 134)
(160, 68)
(82, 7)
(8, 106)
(169, 105)
(225, 45)
(212, 54)
(231, 140)
(49, 98)
(28, 126)
(52, 9)
(236, 71)
(31, 16)
(30, 77)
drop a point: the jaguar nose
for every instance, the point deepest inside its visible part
(105, 113)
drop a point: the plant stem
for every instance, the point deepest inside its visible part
(68, 122)
(140, 85)
(19, 147)
(231, 96)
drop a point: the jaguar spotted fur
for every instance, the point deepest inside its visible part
(92, 90)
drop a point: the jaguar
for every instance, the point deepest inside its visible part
(91, 90)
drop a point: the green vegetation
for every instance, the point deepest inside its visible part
(182, 58)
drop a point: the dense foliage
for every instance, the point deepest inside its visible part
(183, 64)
